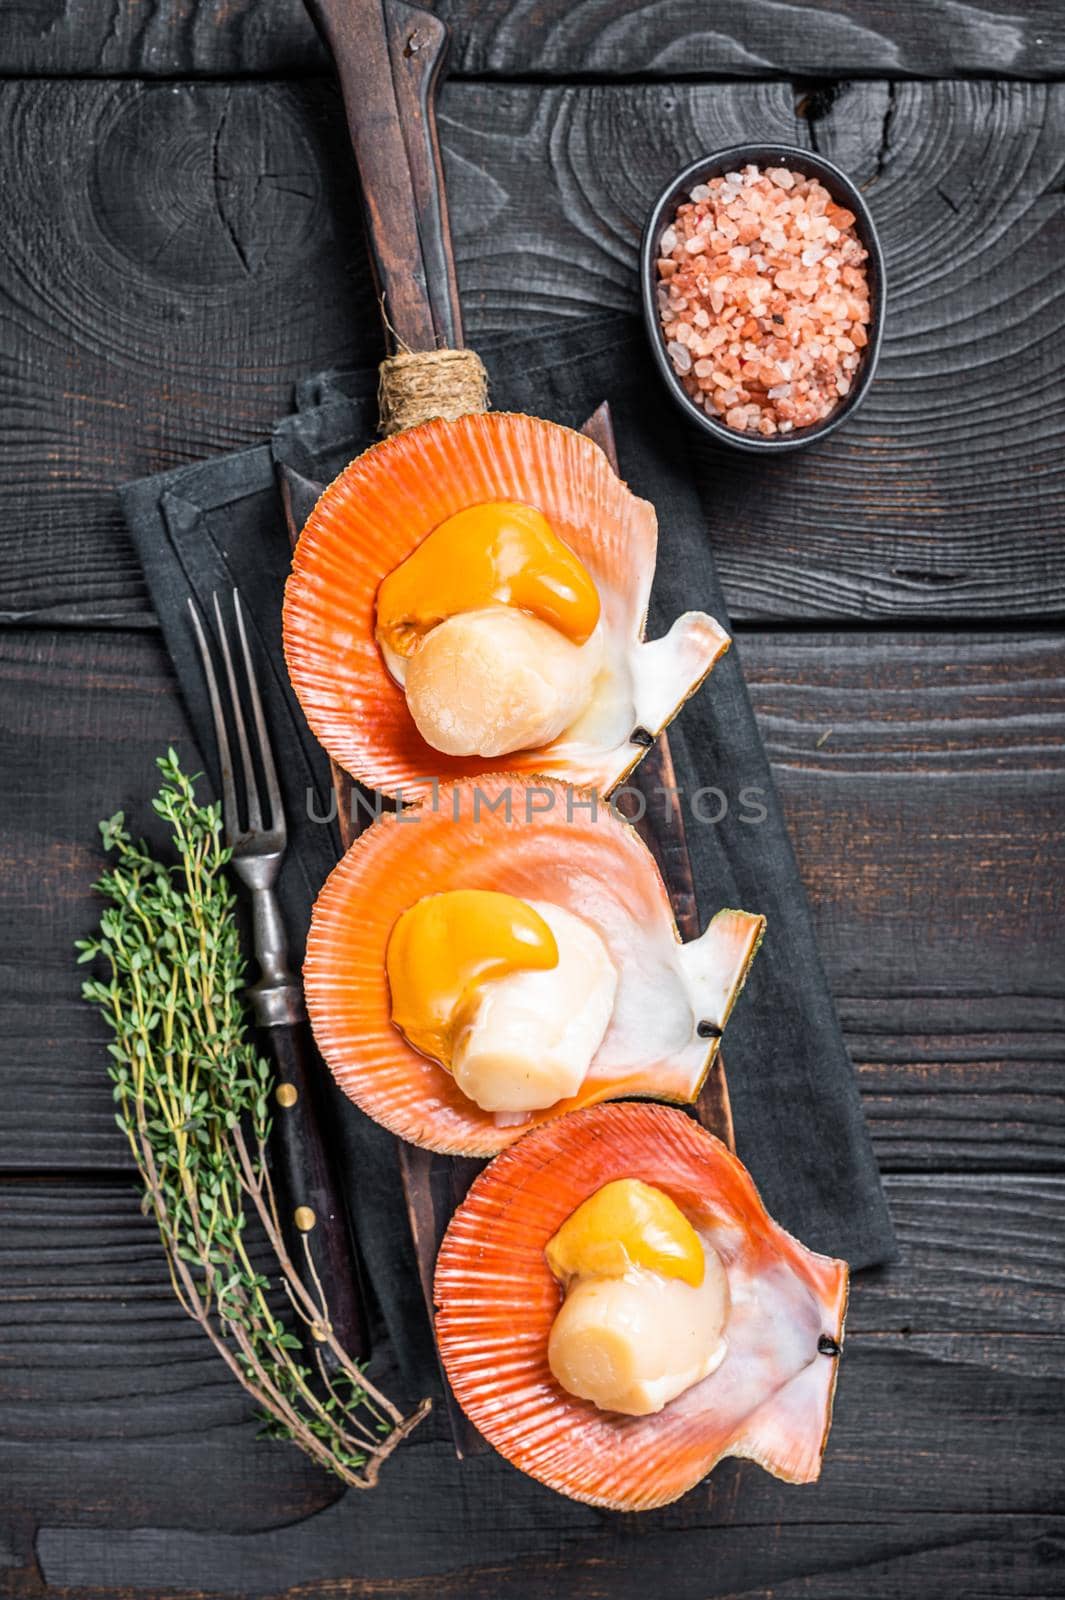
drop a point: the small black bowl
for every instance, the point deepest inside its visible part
(843, 193)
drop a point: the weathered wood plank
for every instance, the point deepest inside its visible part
(758, 38)
(906, 764)
(939, 498)
(175, 256)
(82, 718)
(748, 38)
(922, 778)
(98, 1368)
(927, 1116)
(892, 1557)
(172, 259)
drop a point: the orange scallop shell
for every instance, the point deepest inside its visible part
(556, 844)
(497, 1301)
(382, 506)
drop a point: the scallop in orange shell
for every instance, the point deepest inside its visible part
(545, 843)
(770, 1399)
(386, 503)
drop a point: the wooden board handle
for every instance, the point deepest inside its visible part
(389, 56)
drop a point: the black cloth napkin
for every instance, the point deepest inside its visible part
(201, 529)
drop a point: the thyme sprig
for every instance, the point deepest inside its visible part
(192, 1097)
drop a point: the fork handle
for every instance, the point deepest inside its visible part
(277, 996)
(311, 1205)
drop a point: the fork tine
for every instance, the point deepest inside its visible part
(255, 817)
(266, 754)
(225, 759)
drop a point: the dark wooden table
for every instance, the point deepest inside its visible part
(178, 243)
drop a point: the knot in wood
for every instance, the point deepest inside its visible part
(420, 384)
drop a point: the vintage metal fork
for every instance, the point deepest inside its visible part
(311, 1205)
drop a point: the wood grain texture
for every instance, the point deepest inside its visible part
(98, 1370)
(747, 38)
(173, 257)
(758, 38)
(942, 496)
(918, 751)
(169, 262)
(893, 1557)
(970, 1114)
(923, 781)
(82, 719)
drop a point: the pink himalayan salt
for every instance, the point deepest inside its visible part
(764, 299)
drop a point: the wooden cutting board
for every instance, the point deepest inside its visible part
(389, 56)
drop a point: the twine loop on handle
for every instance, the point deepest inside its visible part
(419, 384)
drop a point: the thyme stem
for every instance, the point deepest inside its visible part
(192, 1099)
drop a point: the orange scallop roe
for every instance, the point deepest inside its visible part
(764, 299)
